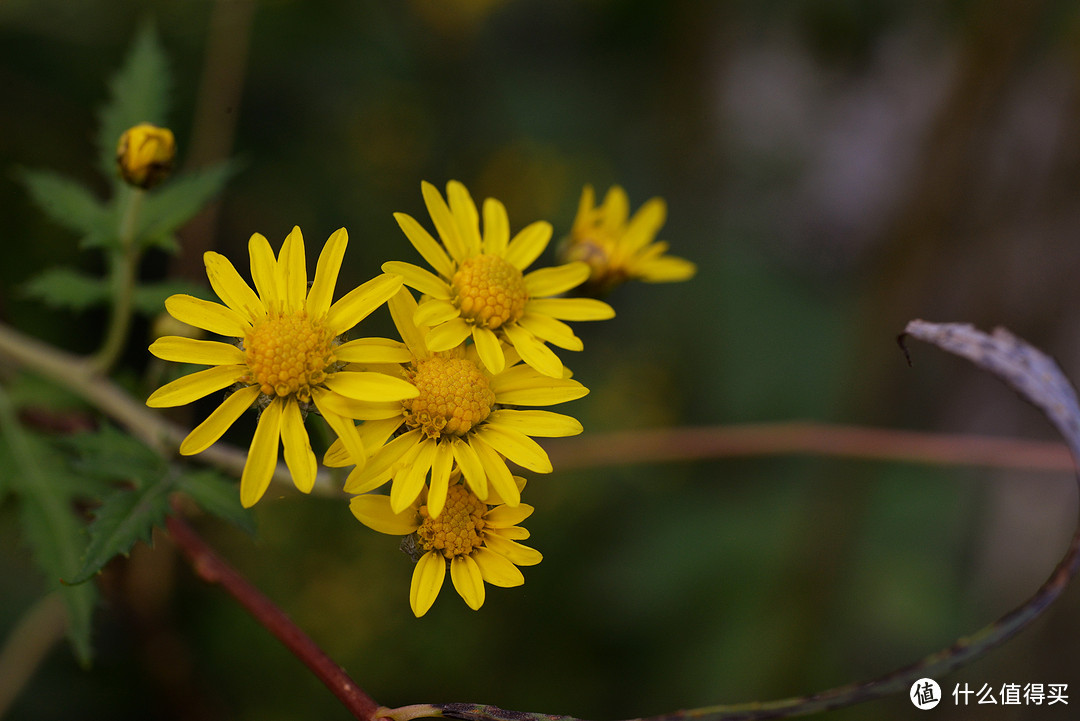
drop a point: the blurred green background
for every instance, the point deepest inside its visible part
(835, 168)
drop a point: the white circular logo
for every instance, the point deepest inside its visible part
(925, 694)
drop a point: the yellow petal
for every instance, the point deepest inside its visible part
(471, 467)
(440, 477)
(292, 271)
(194, 386)
(489, 348)
(463, 209)
(645, 224)
(370, 386)
(448, 335)
(231, 288)
(299, 457)
(535, 423)
(374, 512)
(210, 430)
(432, 312)
(666, 269)
(468, 581)
(402, 310)
(358, 303)
(416, 277)
(409, 481)
(496, 228)
(378, 467)
(427, 580)
(528, 244)
(543, 282)
(360, 410)
(534, 352)
(201, 352)
(343, 427)
(505, 516)
(516, 446)
(427, 246)
(326, 274)
(263, 268)
(513, 551)
(523, 385)
(373, 350)
(497, 570)
(262, 457)
(571, 308)
(499, 477)
(616, 208)
(444, 221)
(207, 315)
(550, 330)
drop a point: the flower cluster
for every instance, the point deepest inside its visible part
(438, 416)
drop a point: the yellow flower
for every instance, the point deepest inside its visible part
(465, 416)
(481, 290)
(477, 540)
(288, 359)
(618, 249)
(145, 154)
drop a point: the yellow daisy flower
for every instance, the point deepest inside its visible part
(289, 356)
(465, 416)
(618, 249)
(481, 290)
(478, 541)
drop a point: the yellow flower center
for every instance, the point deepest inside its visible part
(459, 529)
(489, 291)
(595, 246)
(288, 353)
(454, 396)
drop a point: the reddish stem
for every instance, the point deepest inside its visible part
(213, 569)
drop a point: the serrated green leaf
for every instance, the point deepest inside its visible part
(124, 517)
(140, 93)
(111, 455)
(149, 298)
(67, 203)
(67, 288)
(169, 207)
(52, 531)
(218, 496)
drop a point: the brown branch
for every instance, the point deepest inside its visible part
(804, 437)
(213, 569)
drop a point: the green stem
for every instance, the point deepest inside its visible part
(39, 629)
(124, 267)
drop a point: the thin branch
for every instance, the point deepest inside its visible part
(213, 569)
(804, 437)
(39, 629)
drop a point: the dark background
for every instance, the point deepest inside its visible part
(835, 168)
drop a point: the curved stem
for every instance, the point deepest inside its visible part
(124, 264)
(213, 569)
(39, 629)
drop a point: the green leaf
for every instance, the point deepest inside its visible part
(218, 496)
(52, 531)
(67, 203)
(124, 517)
(168, 208)
(149, 298)
(67, 288)
(140, 93)
(109, 454)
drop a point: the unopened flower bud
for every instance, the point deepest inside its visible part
(145, 155)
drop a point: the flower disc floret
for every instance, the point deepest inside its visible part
(455, 396)
(459, 529)
(489, 291)
(288, 353)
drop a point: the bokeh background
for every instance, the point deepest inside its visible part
(835, 168)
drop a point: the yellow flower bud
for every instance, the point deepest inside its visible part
(145, 155)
